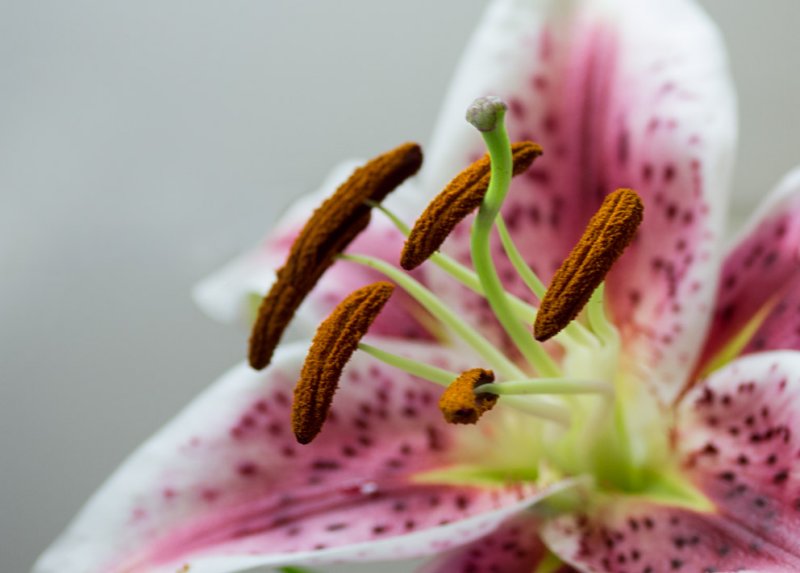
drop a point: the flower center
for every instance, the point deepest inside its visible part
(590, 413)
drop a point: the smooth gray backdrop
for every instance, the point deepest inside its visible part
(142, 144)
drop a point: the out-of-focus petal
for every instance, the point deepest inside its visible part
(233, 293)
(619, 93)
(738, 436)
(762, 273)
(226, 483)
(514, 547)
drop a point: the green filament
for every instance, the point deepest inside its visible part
(419, 369)
(443, 313)
(501, 169)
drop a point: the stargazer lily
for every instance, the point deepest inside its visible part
(658, 427)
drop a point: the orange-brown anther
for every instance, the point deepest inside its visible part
(609, 232)
(459, 198)
(328, 231)
(333, 345)
(460, 404)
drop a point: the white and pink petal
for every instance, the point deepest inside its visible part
(226, 483)
(632, 535)
(620, 93)
(737, 436)
(513, 547)
(762, 273)
(233, 293)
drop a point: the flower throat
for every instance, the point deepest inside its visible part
(576, 402)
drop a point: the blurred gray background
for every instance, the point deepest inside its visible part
(142, 144)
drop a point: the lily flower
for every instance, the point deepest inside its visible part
(655, 430)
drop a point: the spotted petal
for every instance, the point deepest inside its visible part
(226, 486)
(514, 547)
(761, 274)
(737, 435)
(233, 293)
(619, 93)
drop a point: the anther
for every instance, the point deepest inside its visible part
(460, 404)
(607, 235)
(459, 198)
(328, 232)
(334, 343)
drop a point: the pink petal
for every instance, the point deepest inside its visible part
(738, 436)
(232, 293)
(762, 268)
(637, 536)
(226, 484)
(514, 547)
(620, 93)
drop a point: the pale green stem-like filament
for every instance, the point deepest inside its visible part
(442, 312)
(540, 408)
(531, 280)
(574, 329)
(547, 386)
(459, 272)
(501, 167)
(419, 369)
(598, 320)
(396, 221)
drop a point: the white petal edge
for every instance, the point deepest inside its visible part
(101, 530)
(227, 295)
(409, 546)
(787, 189)
(224, 295)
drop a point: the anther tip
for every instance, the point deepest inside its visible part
(485, 112)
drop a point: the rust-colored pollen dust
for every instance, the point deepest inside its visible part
(458, 199)
(329, 230)
(607, 235)
(334, 343)
(460, 404)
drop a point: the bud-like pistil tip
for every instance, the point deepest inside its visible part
(486, 112)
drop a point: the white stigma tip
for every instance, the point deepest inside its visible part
(485, 112)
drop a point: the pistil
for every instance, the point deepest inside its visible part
(487, 115)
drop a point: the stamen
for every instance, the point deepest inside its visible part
(459, 198)
(540, 407)
(555, 386)
(460, 404)
(531, 280)
(420, 369)
(333, 345)
(607, 235)
(329, 230)
(461, 273)
(601, 325)
(479, 343)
